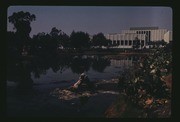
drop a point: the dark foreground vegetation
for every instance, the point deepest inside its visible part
(148, 86)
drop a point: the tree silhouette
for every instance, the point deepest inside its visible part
(21, 21)
(54, 32)
(136, 43)
(61, 38)
(99, 40)
(48, 44)
(55, 40)
(79, 39)
(64, 40)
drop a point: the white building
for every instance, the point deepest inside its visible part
(168, 36)
(126, 38)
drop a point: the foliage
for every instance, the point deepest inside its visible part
(64, 40)
(99, 40)
(21, 21)
(79, 40)
(145, 85)
(157, 43)
(20, 39)
(43, 44)
(136, 43)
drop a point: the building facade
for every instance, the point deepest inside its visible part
(126, 38)
(168, 36)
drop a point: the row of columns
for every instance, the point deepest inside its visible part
(125, 42)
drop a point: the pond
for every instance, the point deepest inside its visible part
(48, 78)
(68, 68)
(97, 68)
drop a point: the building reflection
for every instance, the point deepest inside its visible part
(124, 62)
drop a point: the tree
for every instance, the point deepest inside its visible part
(64, 40)
(158, 43)
(21, 21)
(47, 44)
(136, 43)
(12, 46)
(55, 40)
(39, 43)
(79, 39)
(59, 37)
(54, 32)
(99, 40)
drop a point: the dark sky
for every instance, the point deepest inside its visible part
(94, 19)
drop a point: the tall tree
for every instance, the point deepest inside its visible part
(21, 21)
(55, 40)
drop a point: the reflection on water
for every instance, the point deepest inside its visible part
(66, 68)
(127, 62)
(99, 64)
